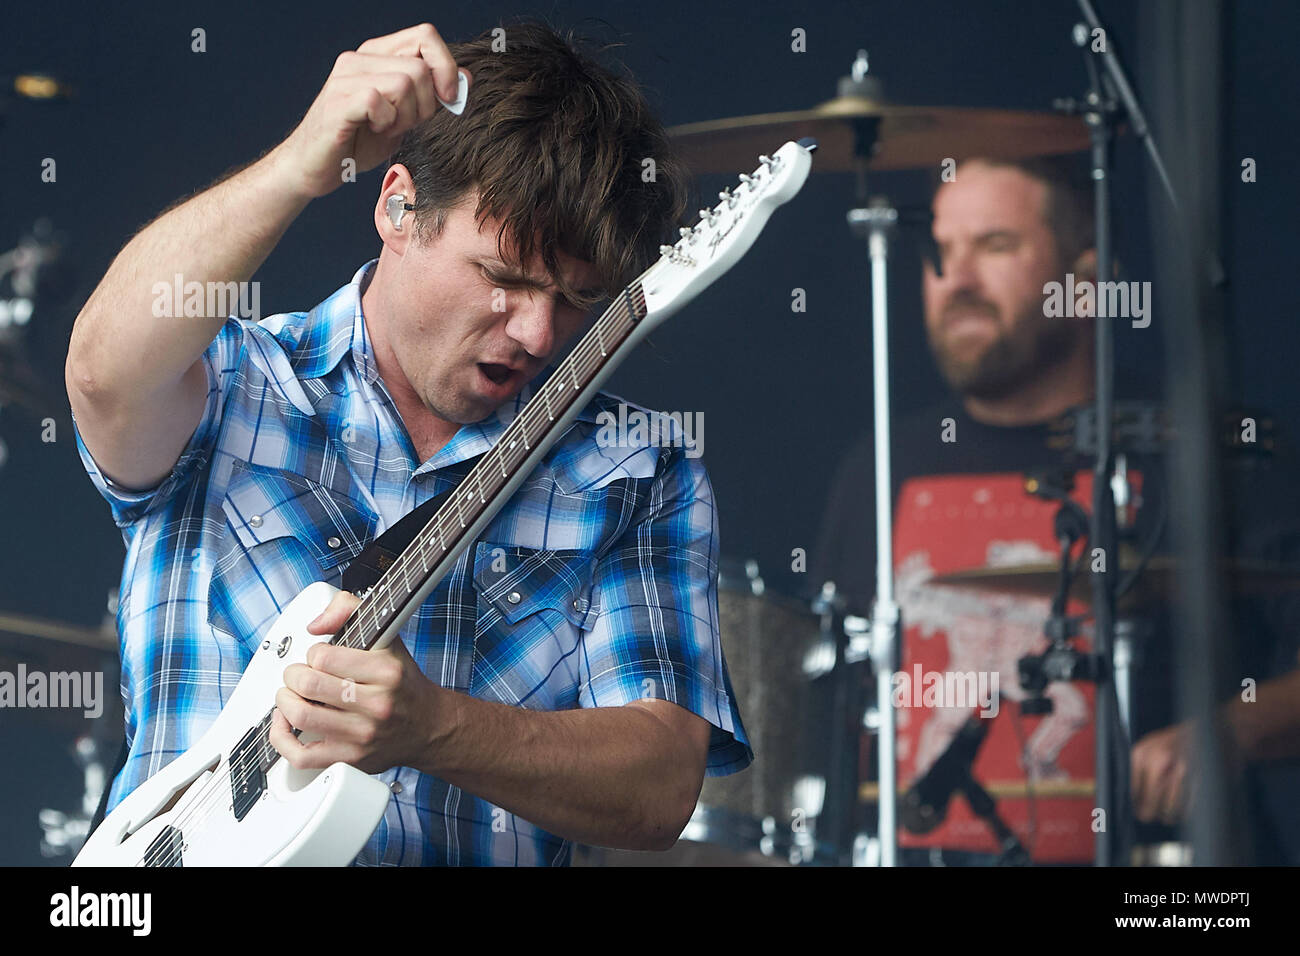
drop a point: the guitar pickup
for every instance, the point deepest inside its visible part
(248, 770)
(165, 850)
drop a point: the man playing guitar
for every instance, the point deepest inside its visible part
(565, 682)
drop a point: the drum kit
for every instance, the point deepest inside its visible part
(789, 674)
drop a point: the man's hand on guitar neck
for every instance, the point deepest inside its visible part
(626, 777)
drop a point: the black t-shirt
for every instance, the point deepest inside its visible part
(940, 440)
(1260, 520)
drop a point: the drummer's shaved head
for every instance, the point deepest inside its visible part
(1068, 207)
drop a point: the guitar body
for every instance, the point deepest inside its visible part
(186, 813)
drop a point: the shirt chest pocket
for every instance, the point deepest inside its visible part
(534, 605)
(282, 532)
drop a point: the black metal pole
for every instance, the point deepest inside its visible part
(1103, 531)
(1187, 61)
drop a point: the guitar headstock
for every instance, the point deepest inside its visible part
(724, 232)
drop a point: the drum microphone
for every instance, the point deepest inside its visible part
(925, 805)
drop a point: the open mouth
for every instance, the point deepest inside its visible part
(495, 373)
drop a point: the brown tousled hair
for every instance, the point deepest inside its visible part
(555, 143)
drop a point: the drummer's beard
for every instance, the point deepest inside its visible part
(1027, 350)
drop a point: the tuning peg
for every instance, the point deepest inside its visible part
(665, 250)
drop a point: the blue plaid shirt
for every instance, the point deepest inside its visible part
(301, 459)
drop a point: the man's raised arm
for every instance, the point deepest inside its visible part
(135, 379)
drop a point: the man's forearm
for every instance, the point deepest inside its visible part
(1268, 728)
(607, 776)
(120, 350)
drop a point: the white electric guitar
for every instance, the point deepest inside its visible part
(229, 799)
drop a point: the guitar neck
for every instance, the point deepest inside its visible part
(489, 485)
(703, 253)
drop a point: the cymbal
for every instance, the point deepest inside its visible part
(24, 625)
(1158, 579)
(908, 137)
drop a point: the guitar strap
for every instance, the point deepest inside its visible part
(363, 572)
(368, 566)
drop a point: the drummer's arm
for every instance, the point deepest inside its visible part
(1267, 727)
(1263, 726)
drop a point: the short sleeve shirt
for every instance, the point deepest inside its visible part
(596, 584)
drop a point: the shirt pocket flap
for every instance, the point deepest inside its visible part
(263, 504)
(520, 581)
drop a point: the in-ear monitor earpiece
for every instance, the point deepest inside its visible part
(396, 206)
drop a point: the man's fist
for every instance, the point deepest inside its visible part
(371, 98)
(1161, 777)
(371, 709)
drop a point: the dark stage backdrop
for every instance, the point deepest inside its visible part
(781, 392)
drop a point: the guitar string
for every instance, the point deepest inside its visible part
(241, 769)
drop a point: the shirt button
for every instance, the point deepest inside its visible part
(577, 605)
(333, 542)
(395, 787)
(513, 597)
(255, 521)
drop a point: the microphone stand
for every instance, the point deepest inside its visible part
(1012, 851)
(1109, 97)
(1101, 119)
(924, 808)
(876, 222)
